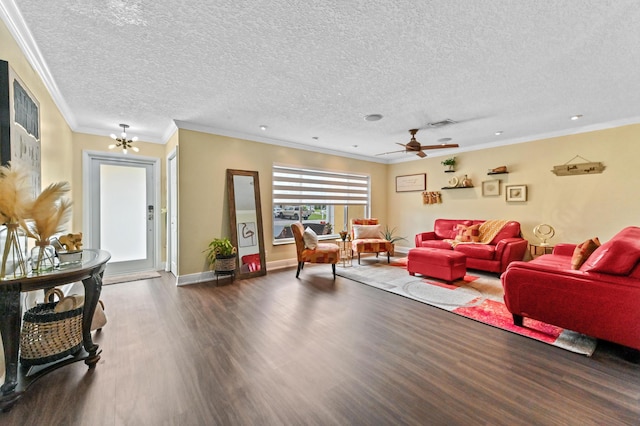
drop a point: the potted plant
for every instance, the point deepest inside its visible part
(222, 254)
(450, 162)
(389, 235)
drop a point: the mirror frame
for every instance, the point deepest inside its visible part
(233, 221)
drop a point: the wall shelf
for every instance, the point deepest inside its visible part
(457, 187)
(449, 171)
(498, 173)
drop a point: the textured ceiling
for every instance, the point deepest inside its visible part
(315, 69)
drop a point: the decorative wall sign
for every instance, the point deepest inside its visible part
(19, 125)
(408, 183)
(568, 169)
(516, 192)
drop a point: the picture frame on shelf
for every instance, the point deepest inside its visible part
(516, 193)
(491, 188)
(409, 183)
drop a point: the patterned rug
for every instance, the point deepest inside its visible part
(478, 296)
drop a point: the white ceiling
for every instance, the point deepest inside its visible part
(313, 69)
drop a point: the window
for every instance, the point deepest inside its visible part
(322, 200)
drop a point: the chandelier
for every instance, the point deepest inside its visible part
(123, 141)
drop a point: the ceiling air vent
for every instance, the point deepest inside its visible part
(442, 123)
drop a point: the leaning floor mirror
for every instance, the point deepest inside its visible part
(245, 218)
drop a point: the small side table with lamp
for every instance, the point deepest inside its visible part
(544, 233)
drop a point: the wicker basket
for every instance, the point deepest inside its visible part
(225, 264)
(48, 336)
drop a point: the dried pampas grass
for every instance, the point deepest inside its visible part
(49, 212)
(15, 194)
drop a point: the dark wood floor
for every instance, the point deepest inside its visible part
(280, 351)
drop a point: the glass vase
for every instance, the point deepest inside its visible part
(43, 257)
(14, 248)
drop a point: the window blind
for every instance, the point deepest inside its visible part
(299, 186)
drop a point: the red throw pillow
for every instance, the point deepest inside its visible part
(468, 234)
(583, 251)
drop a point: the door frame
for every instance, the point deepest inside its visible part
(87, 157)
(173, 156)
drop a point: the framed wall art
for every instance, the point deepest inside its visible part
(409, 183)
(19, 125)
(491, 188)
(516, 192)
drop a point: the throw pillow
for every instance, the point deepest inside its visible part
(583, 251)
(468, 234)
(310, 238)
(366, 231)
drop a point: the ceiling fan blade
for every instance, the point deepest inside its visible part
(442, 146)
(421, 154)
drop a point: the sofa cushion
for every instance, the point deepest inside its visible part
(439, 244)
(467, 234)
(635, 272)
(310, 238)
(446, 229)
(510, 230)
(582, 252)
(618, 256)
(477, 251)
(366, 231)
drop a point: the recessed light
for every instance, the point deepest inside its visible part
(263, 127)
(499, 132)
(576, 117)
(444, 140)
(355, 146)
(315, 138)
(373, 117)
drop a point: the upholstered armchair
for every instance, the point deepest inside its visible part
(366, 237)
(309, 250)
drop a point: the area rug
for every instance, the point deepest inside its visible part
(478, 296)
(116, 279)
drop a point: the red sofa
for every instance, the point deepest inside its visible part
(506, 247)
(600, 299)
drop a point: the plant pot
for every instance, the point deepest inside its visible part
(225, 264)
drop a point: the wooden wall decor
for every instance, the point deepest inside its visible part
(586, 168)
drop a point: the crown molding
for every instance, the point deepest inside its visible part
(239, 135)
(18, 27)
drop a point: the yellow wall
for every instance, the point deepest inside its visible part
(203, 161)
(55, 134)
(578, 207)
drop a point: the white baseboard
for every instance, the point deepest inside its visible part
(271, 266)
(211, 276)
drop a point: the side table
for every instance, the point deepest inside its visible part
(17, 379)
(536, 250)
(345, 253)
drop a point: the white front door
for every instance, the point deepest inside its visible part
(121, 214)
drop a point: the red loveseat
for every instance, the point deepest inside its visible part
(600, 299)
(506, 247)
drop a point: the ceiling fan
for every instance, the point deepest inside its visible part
(414, 146)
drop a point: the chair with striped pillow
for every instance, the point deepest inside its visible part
(366, 237)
